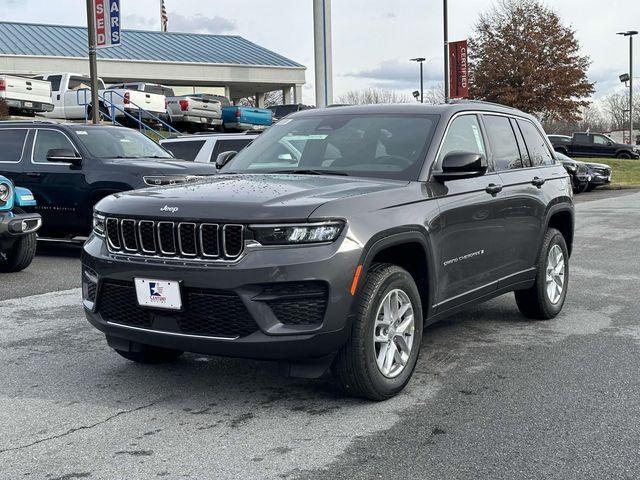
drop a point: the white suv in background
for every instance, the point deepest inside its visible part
(206, 148)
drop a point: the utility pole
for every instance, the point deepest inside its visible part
(630, 34)
(420, 60)
(93, 64)
(323, 52)
(445, 19)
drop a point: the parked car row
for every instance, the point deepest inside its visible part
(67, 96)
(585, 176)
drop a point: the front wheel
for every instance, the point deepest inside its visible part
(20, 255)
(624, 155)
(379, 358)
(545, 298)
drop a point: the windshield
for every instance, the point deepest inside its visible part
(114, 142)
(385, 146)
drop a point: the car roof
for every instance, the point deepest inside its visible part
(444, 109)
(218, 136)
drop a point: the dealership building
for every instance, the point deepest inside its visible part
(225, 64)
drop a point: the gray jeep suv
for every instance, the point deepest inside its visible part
(333, 239)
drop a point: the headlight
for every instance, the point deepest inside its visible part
(6, 192)
(571, 168)
(297, 234)
(158, 180)
(98, 224)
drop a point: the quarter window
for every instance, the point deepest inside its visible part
(504, 147)
(55, 82)
(48, 140)
(222, 146)
(464, 135)
(12, 144)
(539, 153)
(185, 150)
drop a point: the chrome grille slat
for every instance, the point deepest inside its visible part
(171, 240)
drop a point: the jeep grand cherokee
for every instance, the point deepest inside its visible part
(333, 240)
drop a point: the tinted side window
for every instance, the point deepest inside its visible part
(47, 140)
(184, 150)
(12, 144)
(539, 154)
(55, 82)
(582, 138)
(222, 146)
(504, 146)
(464, 135)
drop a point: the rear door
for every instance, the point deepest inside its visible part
(56, 97)
(13, 142)
(582, 144)
(184, 149)
(470, 236)
(522, 207)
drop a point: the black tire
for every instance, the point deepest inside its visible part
(21, 253)
(581, 187)
(151, 355)
(590, 187)
(624, 155)
(534, 303)
(355, 366)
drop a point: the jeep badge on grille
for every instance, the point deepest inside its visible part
(167, 208)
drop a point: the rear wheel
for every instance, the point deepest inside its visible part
(625, 155)
(379, 358)
(545, 298)
(151, 355)
(20, 255)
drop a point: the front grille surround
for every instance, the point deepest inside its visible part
(187, 240)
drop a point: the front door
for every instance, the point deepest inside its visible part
(469, 235)
(60, 189)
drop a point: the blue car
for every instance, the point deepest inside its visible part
(17, 228)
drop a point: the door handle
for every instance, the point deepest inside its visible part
(33, 174)
(493, 189)
(538, 182)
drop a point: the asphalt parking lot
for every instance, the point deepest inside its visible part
(494, 396)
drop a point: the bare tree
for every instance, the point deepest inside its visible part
(434, 95)
(616, 109)
(270, 99)
(374, 95)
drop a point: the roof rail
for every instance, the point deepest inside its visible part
(482, 102)
(44, 120)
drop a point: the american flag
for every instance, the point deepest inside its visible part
(164, 18)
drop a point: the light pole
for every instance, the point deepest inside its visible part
(445, 21)
(420, 60)
(93, 63)
(630, 34)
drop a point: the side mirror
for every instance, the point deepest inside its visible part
(457, 165)
(224, 158)
(65, 155)
(610, 143)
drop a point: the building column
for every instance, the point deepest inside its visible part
(287, 95)
(227, 92)
(297, 94)
(323, 52)
(260, 98)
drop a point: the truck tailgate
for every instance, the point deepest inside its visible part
(27, 89)
(247, 115)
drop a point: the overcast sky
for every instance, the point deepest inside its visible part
(372, 39)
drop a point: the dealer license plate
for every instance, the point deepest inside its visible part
(158, 293)
(28, 104)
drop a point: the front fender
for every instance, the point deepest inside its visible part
(23, 197)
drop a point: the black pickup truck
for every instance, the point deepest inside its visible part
(592, 145)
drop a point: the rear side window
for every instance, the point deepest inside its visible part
(55, 82)
(464, 135)
(187, 150)
(582, 138)
(48, 140)
(504, 146)
(12, 144)
(229, 146)
(539, 153)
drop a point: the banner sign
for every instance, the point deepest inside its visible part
(458, 70)
(107, 23)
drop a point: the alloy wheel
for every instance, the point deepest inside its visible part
(555, 277)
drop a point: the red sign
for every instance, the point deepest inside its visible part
(458, 70)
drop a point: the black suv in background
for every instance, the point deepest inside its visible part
(585, 144)
(70, 167)
(388, 218)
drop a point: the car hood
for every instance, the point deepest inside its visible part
(597, 165)
(170, 166)
(243, 198)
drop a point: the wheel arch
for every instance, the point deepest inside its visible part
(561, 217)
(409, 249)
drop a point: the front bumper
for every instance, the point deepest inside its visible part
(13, 225)
(29, 106)
(599, 179)
(332, 265)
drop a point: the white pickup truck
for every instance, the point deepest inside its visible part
(199, 108)
(72, 93)
(25, 95)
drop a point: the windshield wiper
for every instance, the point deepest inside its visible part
(304, 171)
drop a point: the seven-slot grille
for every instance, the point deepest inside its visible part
(175, 239)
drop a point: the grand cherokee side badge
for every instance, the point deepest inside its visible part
(167, 208)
